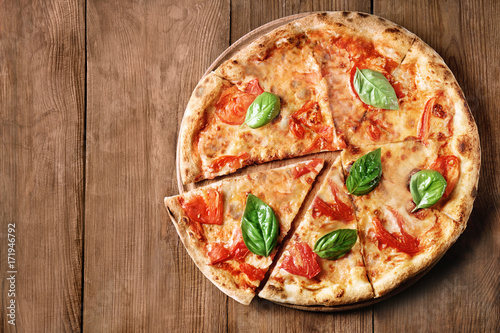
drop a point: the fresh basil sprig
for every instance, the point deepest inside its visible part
(374, 89)
(259, 226)
(365, 173)
(427, 187)
(335, 244)
(264, 108)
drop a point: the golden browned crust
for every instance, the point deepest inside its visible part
(234, 68)
(437, 247)
(389, 39)
(392, 41)
(464, 142)
(205, 94)
(221, 279)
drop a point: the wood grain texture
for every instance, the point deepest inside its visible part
(462, 292)
(42, 89)
(144, 60)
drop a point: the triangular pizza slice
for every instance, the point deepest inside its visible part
(322, 263)
(403, 233)
(225, 225)
(267, 102)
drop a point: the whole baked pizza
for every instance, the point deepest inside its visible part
(319, 231)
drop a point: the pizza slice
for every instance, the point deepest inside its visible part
(345, 44)
(337, 275)
(431, 104)
(404, 232)
(231, 228)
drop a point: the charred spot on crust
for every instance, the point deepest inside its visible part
(349, 19)
(363, 15)
(275, 289)
(393, 30)
(345, 14)
(438, 111)
(323, 14)
(464, 146)
(235, 62)
(474, 192)
(339, 25)
(184, 220)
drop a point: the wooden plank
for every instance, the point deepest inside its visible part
(144, 60)
(263, 315)
(42, 89)
(461, 292)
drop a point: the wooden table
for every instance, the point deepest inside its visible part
(91, 97)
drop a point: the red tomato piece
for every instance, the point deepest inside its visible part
(306, 168)
(296, 129)
(239, 251)
(253, 273)
(338, 210)
(374, 132)
(231, 108)
(449, 168)
(234, 161)
(218, 254)
(403, 242)
(301, 261)
(206, 208)
(424, 126)
(254, 88)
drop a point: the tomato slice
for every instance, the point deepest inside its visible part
(218, 254)
(253, 273)
(206, 208)
(424, 126)
(338, 210)
(309, 117)
(234, 161)
(232, 105)
(296, 129)
(254, 88)
(403, 242)
(301, 261)
(374, 132)
(449, 167)
(306, 168)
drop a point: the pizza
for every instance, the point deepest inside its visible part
(301, 276)
(209, 223)
(387, 210)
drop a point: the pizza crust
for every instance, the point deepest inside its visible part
(219, 278)
(464, 143)
(205, 94)
(391, 41)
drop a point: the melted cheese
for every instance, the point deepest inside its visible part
(340, 281)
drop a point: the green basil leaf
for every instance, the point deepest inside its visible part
(335, 244)
(427, 187)
(374, 89)
(365, 173)
(264, 108)
(259, 226)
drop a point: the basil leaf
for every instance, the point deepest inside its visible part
(263, 109)
(335, 244)
(365, 173)
(374, 89)
(259, 226)
(427, 187)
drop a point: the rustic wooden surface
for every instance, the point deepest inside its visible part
(91, 97)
